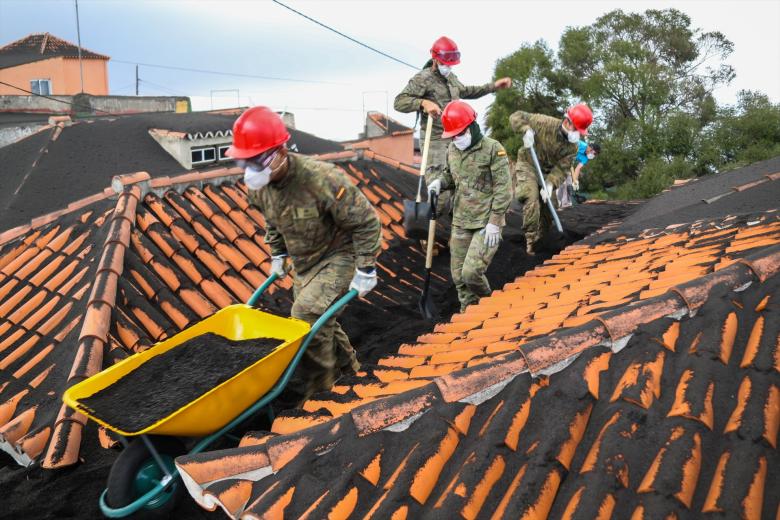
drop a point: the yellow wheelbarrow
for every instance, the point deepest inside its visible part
(143, 478)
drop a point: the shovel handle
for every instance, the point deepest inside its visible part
(543, 185)
(431, 229)
(424, 159)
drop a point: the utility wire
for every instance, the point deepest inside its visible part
(163, 88)
(350, 38)
(222, 73)
(57, 100)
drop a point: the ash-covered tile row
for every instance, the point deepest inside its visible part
(680, 421)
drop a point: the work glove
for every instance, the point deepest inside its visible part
(435, 186)
(431, 107)
(575, 185)
(546, 191)
(528, 138)
(278, 265)
(364, 280)
(492, 235)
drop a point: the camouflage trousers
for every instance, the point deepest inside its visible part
(469, 259)
(536, 219)
(330, 352)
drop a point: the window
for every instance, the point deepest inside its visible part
(41, 86)
(203, 155)
(223, 152)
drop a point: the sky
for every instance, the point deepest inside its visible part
(335, 80)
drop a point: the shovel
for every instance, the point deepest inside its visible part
(418, 213)
(543, 184)
(427, 307)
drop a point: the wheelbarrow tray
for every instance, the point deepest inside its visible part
(218, 406)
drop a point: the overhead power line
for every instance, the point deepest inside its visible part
(350, 38)
(223, 73)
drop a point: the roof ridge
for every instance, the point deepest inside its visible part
(542, 356)
(65, 440)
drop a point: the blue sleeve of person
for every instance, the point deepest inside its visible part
(582, 157)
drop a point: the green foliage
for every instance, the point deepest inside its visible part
(649, 77)
(536, 89)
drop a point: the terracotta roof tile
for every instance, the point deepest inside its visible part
(607, 401)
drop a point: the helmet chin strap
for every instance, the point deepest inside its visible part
(279, 170)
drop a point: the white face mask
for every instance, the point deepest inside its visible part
(444, 70)
(573, 135)
(591, 156)
(462, 141)
(256, 179)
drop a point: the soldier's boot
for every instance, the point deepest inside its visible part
(345, 353)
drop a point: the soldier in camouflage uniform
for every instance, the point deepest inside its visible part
(431, 89)
(478, 172)
(319, 219)
(556, 141)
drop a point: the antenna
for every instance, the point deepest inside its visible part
(78, 34)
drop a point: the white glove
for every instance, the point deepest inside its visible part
(435, 186)
(492, 235)
(363, 282)
(528, 138)
(546, 191)
(575, 185)
(277, 265)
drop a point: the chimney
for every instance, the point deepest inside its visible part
(288, 118)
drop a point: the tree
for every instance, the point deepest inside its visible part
(649, 78)
(536, 89)
(744, 133)
(640, 67)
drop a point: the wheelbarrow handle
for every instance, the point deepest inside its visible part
(281, 383)
(260, 290)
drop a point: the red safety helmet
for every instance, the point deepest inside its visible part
(456, 117)
(445, 51)
(257, 130)
(581, 116)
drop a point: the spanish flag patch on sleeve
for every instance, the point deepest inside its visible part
(340, 193)
(501, 152)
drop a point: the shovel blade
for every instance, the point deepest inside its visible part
(428, 309)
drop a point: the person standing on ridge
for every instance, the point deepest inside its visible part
(477, 171)
(317, 218)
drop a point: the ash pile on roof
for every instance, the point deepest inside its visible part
(175, 378)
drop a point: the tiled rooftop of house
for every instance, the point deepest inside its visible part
(83, 288)
(41, 46)
(574, 288)
(679, 421)
(443, 426)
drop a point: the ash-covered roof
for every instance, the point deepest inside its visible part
(83, 289)
(566, 391)
(679, 421)
(62, 164)
(41, 46)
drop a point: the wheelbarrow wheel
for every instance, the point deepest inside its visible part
(136, 472)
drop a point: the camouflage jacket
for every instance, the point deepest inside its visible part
(482, 182)
(554, 151)
(429, 84)
(315, 212)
